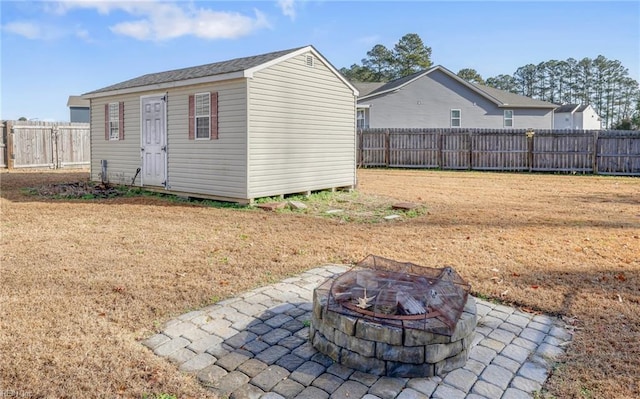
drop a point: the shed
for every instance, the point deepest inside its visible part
(78, 109)
(259, 126)
(576, 116)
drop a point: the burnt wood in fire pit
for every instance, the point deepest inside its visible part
(397, 319)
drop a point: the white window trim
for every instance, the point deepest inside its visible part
(459, 118)
(114, 122)
(196, 116)
(361, 121)
(504, 119)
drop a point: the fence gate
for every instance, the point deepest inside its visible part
(45, 145)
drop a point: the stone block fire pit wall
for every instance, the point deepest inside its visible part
(396, 319)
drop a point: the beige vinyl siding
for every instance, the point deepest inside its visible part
(210, 167)
(301, 129)
(122, 156)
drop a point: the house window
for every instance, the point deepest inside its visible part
(508, 118)
(455, 118)
(114, 121)
(202, 115)
(361, 119)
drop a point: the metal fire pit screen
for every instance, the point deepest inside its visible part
(400, 294)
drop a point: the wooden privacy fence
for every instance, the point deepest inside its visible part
(44, 145)
(584, 151)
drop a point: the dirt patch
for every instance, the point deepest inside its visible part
(82, 281)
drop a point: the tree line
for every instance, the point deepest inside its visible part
(602, 83)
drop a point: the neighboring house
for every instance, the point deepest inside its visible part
(576, 116)
(438, 98)
(78, 109)
(266, 125)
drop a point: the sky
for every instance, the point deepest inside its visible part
(53, 49)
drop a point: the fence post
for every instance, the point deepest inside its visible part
(10, 150)
(530, 134)
(470, 148)
(55, 157)
(359, 140)
(439, 155)
(595, 152)
(387, 149)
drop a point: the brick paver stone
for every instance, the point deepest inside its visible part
(328, 382)
(312, 393)
(487, 390)
(271, 395)
(290, 362)
(350, 390)
(409, 393)
(448, 392)
(230, 382)
(525, 384)
(425, 386)
(205, 343)
(272, 354)
(270, 377)
(364, 378)
(340, 370)
(461, 379)
(232, 360)
(197, 363)
(497, 375)
(155, 341)
(305, 351)
(388, 388)
(274, 336)
(210, 374)
(515, 352)
(247, 391)
(252, 367)
(171, 346)
(288, 388)
(307, 372)
(533, 371)
(241, 338)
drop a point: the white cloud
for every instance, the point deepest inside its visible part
(288, 8)
(33, 30)
(159, 20)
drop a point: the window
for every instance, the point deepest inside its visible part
(114, 121)
(202, 115)
(508, 118)
(361, 119)
(455, 118)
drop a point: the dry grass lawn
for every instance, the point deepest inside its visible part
(83, 281)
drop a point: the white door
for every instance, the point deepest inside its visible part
(154, 141)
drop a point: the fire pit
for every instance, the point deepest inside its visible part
(397, 319)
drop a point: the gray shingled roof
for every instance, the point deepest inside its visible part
(504, 97)
(364, 88)
(513, 99)
(217, 68)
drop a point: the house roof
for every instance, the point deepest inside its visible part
(367, 87)
(570, 108)
(77, 101)
(501, 98)
(236, 68)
